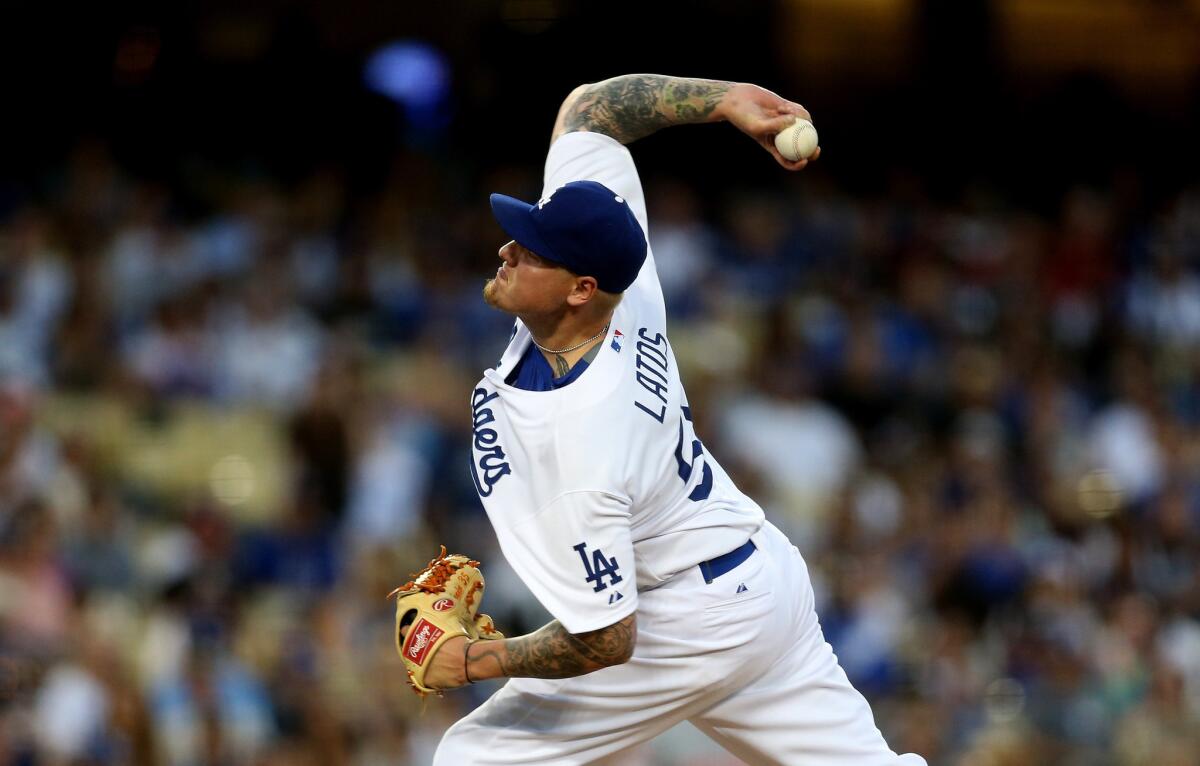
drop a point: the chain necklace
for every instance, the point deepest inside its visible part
(572, 348)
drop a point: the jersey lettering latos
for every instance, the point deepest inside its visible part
(601, 488)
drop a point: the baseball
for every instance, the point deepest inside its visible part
(797, 141)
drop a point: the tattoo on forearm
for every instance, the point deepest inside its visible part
(632, 106)
(552, 652)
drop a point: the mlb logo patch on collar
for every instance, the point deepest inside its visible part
(618, 337)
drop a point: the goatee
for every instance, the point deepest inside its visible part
(489, 293)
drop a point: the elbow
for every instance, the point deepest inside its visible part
(567, 121)
(627, 655)
(624, 656)
(576, 94)
(623, 639)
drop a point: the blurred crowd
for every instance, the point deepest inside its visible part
(233, 416)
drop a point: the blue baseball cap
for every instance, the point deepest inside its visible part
(583, 226)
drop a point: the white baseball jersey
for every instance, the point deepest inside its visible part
(601, 488)
(604, 501)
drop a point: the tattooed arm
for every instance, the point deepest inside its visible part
(632, 106)
(550, 652)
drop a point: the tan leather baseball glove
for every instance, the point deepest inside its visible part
(438, 604)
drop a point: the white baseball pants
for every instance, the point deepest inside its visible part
(750, 669)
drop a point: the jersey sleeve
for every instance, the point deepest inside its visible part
(583, 156)
(576, 556)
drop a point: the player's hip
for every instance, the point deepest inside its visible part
(752, 605)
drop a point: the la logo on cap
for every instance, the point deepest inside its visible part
(546, 200)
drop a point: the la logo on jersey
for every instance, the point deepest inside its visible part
(598, 567)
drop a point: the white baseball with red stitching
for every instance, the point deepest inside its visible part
(797, 141)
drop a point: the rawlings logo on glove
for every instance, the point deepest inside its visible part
(440, 603)
(423, 637)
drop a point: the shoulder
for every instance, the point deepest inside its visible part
(589, 154)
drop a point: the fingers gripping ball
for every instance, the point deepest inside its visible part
(441, 602)
(797, 141)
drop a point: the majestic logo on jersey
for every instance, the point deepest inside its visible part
(421, 638)
(489, 464)
(599, 567)
(443, 605)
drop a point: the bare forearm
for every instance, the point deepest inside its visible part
(635, 105)
(552, 652)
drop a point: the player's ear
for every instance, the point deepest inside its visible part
(582, 291)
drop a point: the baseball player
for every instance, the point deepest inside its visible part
(673, 598)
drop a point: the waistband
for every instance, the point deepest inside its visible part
(714, 568)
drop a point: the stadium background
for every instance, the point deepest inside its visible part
(241, 247)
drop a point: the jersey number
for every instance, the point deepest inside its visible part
(701, 490)
(599, 567)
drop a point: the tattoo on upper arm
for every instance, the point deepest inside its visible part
(632, 106)
(552, 652)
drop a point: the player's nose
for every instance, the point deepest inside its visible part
(508, 252)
